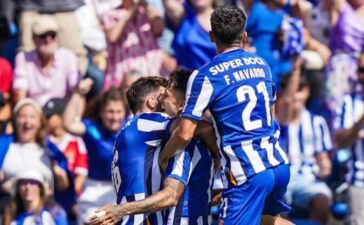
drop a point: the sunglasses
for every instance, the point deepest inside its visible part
(361, 69)
(51, 34)
(28, 181)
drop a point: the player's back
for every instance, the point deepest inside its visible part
(237, 87)
(133, 154)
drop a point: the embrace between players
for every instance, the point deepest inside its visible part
(164, 163)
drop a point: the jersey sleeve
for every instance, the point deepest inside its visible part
(198, 96)
(344, 115)
(153, 128)
(179, 167)
(323, 136)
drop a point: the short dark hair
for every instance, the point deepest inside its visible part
(228, 24)
(142, 88)
(178, 79)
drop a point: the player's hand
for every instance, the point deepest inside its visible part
(107, 215)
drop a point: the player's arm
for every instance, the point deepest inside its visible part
(205, 132)
(76, 107)
(168, 197)
(175, 11)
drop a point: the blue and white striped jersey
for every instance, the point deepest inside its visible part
(194, 168)
(304, 140)
(133, 152)
(350, 113)
(237, 87)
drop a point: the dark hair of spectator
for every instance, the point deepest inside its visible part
(142, 88)
(228, 24)
(101, 100)
(178, 79)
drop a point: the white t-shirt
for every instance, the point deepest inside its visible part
(23, 157)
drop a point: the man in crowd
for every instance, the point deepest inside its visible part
(349, 134)
(37, 72)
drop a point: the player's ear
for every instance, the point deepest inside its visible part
(244, 39)
(151, 103)
(212, 37)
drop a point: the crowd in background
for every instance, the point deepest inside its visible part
(65, 67)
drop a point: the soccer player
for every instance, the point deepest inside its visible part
(192, 166)
(237, 87)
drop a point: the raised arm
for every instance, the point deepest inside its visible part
(175, 11)
(75, 108)
(155, 18)
(114, 31)
(285, 103)
(168, 197)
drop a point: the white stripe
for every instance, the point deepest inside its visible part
(153, 143)
(194, 161)
(171, 215)
(200, 220)
(307, 134)
(348, 116)
(184, 221)
(224, 207)
(139, 218)
(150, 125)
(281, 152)
(156, 174)
(235, 167)
(191, 79)
(294, 147)
(178, 163)
(253, 156)
(203, 98)
(269, 148)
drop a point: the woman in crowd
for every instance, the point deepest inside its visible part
(190, 22)
(30, 203)
(98, 130)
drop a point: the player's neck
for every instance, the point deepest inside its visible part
(226, 48)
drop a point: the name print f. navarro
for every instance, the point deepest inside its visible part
(244, 68)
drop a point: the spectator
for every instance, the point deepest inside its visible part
(349, 134)
(5, 84)
(98, 130)
(131, 31)
(27, 149)
(61, 11)
(6, 73)
(74, 150)
(308, 142)
(190, 22)
(347, 30)
(37, 72)
(30, 203)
